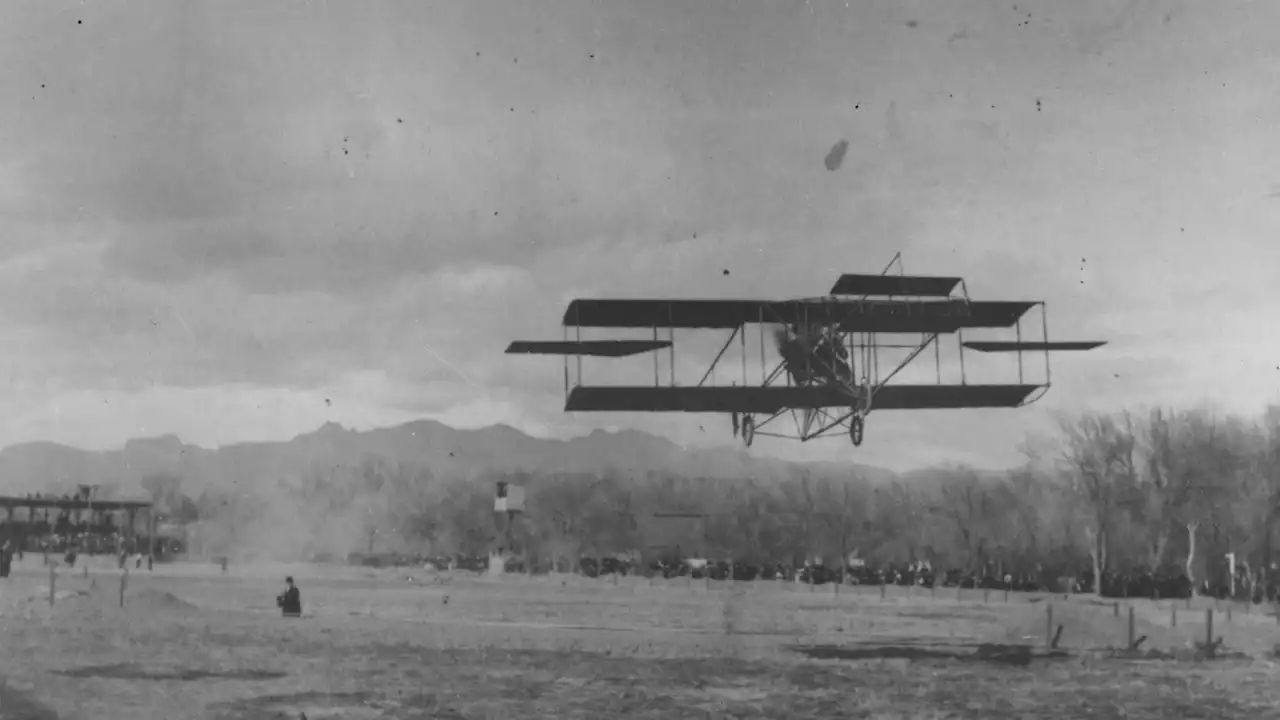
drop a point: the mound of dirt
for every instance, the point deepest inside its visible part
(42, 595)
(150, 600)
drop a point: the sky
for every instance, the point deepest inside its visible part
(237, 221)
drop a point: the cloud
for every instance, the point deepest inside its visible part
(272, 201)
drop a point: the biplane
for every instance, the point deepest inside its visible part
(827, 376)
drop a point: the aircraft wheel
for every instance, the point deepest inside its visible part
(855, 430)
(748, 430)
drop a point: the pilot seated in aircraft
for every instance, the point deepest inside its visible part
(826, 362)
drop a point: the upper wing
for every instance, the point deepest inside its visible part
(906, 285)
(881, 316)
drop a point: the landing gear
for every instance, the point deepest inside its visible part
(748, 430)
(855, 430)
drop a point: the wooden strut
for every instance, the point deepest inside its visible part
(655, 358)
(1044, 323)
(764, 379)
(671, 336)
(1018, 329)
(719, 355)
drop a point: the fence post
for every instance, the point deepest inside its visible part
(1131, 627)
(986, 594)
(124, 580)
(1208, 629)
(1048, 625)
(959, 590)
(1173, 618)
(1115, 609)
(53, 581)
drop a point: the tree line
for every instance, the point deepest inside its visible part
(1165, 490)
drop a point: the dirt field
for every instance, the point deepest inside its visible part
(190, 643)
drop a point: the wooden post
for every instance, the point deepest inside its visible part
(86, 568)
(1173, 617)
(1131, 627)
(151, 536)
(53, 582)
(884, 587)
(1115, 609)
(986, 594)
(1048, 625)
(1208, 629)
(959, 589)
(124, 581)
(1006, 594)
(933, 589)
(1229, 611)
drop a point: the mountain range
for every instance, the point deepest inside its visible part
(51, 467)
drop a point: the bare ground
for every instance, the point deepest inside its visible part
(381, 644)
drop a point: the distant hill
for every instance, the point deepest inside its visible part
(50, 467)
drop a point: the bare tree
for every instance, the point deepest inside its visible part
(1100, 457)
(965, 504)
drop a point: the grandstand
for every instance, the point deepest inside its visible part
(43, 522)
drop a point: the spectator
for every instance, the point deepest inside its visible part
(290, 601)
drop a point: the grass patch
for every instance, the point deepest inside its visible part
(184, 646)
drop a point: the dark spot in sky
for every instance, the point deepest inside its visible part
(344, 152)
(81, 22)
(1037, 104)
(41, 84)
(592, 56)
(327, 401)
(913, 23)
(450, 455)
(993, 107)
(495, 213)
(725, 271)
(856, 106)
(836, 155)
(515, 60)
(399, 120)
(695, 235)
(513, 109)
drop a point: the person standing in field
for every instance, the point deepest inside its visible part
(290, 601)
